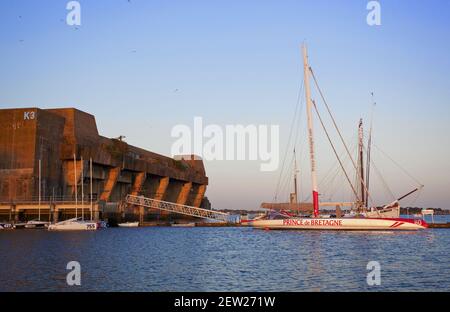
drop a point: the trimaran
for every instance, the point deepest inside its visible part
(386, 218)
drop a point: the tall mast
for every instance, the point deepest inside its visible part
(315, 191)
(295, 182)
(369, 149)
(361, 161)
(82, 188)
(75, 184)
(39, 204)
(90, 175)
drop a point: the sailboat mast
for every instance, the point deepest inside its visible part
(315, 191)
(90, 176)
(361, 160)
(75, 184)
(295, 182)
(40, 183)
(82, 188)
(369, 149)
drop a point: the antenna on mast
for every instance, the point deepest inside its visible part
(369, 149)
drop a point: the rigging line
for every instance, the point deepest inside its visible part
(328, 181)
(330, 170)
(299, 97)
(288, 179)
(331, 186)
(284, 182)
(338, 131)
(297, 132)
(300, 141)
(398, 165)
(334, 185)
(334, 149)
(382, 180)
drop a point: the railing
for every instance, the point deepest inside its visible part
(50, 199)
(177, 208)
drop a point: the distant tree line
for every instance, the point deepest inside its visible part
(417, 210)
(403, 210)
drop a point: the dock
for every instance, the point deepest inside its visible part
(439, 225)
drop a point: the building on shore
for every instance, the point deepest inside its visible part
(61, 142)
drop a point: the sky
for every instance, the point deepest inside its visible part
(142, 67)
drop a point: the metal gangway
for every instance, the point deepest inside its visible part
(176, 208)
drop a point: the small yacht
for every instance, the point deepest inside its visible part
(6, 226)
(37, 224)
(129, 224)
(75, 224)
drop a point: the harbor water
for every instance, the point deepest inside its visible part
(224, 259)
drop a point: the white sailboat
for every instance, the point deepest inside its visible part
(77, 224)
(386, 218)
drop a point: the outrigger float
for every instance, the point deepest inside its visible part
(386, 218)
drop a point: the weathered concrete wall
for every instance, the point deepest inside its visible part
(27, 135)
(55, 135)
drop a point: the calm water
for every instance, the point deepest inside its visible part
(224, 259)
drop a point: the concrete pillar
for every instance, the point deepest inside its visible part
(162, 187)
(70, 173)
(53, 212)
(96, 216)
(161, 192)
(15, 213)
(138, 183)
(199, 196)
(184, 193)
(55, 216)
(141, 215)
(110, 182)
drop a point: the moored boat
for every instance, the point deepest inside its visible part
(361, 218)
(75, 224)
(6, 226)
(129, 224)
(362, 224)
(37, 224)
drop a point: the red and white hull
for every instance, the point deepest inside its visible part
(363, 224)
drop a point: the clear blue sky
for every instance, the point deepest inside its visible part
(239, 62)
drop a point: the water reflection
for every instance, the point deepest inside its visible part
(224, 259)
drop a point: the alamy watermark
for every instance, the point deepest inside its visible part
(233, 142)
(73, 18)
(374, 275)
(73, 278)
(374, 16)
